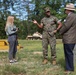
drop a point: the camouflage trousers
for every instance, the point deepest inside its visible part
(52, 42)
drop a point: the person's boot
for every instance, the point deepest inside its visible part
(54, 62)
(67, 72)
(44, 61)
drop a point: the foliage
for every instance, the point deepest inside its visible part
(26, 10)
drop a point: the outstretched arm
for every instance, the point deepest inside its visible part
(39, 25)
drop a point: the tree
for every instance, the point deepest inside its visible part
(26, 10)
(4, 12)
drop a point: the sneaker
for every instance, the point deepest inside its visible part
(14, 60)
(45, 61)
(11, 61)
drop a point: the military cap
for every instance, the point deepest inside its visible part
(46, 9)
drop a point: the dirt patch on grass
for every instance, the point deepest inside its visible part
(37, 53)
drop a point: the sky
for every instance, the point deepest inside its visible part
(20, 11)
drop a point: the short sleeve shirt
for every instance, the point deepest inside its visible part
(49, 23)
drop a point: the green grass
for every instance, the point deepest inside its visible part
(30, 60)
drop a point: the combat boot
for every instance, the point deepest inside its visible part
(44, 61)
(54, 62)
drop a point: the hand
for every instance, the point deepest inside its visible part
(55, 31)
(35, 22)
(17, 29)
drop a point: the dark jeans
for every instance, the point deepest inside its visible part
(69, 60)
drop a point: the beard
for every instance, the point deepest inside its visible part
(47, 15)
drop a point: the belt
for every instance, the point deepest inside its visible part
(12, 34)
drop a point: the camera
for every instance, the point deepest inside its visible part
(18, 28)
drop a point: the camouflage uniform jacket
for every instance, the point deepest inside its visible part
(49, 25)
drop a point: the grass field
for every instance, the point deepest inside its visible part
(30, 60)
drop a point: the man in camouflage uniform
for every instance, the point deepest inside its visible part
(48, 23)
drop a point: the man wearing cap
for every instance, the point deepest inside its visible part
(68, 32)
(48, 23)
